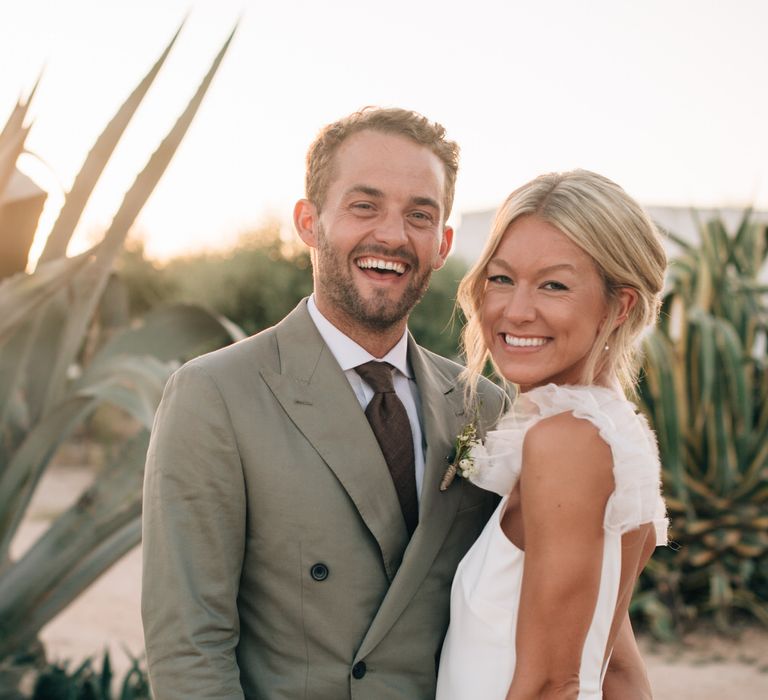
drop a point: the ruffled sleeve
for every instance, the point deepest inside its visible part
(636, 499)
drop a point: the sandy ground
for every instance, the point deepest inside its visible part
(107, 615)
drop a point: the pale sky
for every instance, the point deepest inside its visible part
(669, 98)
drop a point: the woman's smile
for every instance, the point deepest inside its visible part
(543, 306)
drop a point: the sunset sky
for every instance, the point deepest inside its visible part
(667, 97)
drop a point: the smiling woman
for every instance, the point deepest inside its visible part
(571, 274)
(572, 241)
(542, 313)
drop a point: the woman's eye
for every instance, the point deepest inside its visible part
(555, 286)
(499, 279)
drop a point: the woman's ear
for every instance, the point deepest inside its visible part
(626, 298)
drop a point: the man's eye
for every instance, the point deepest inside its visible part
(555, 286)
(364, 206)
(421, 218)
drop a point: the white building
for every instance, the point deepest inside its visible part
(682, 221)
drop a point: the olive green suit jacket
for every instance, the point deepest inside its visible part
(276, 558)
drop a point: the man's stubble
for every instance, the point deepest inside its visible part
(379, 312)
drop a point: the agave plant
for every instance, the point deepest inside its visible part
(67, 347)
(705, 389)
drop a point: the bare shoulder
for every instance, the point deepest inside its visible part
(567, 454)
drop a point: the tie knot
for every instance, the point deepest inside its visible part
(378, 375)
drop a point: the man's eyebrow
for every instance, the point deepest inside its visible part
(425, 202)
(366, 190)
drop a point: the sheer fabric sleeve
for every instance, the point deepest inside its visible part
(636, 499)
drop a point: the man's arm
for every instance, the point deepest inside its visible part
(625, 677)
(193, 543)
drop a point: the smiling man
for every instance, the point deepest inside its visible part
(296, 542)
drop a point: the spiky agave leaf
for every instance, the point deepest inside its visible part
(86, 293)
(721, 450)
(11, 147)
(136, 390)
(75, 550)
(23, 294)
(13, 137)
(18, 116)
(129, 373)
(96, 161)
(104, 523)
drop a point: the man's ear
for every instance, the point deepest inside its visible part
(445, 248)
(625, 300)
(306, 221)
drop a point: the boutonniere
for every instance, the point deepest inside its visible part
(460, 461)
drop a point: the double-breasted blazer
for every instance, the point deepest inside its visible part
(276, 558)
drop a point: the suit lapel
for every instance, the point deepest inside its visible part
(316, 395)
(443, 411)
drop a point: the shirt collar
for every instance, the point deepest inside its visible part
(348, 353)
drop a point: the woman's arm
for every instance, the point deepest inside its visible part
(565, 483)
(625, 677)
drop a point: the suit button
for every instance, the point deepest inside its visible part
(319, 572)
(358, 670)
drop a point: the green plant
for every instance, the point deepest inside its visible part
(67, 347)
(56, 682)
(255, 284)
(433, 322)
(259, 280)
(705, 390)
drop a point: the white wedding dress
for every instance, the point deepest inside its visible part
(478, 656)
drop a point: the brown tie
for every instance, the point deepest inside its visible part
(390, 424)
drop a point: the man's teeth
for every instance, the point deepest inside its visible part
(517, 342)
(376, 264)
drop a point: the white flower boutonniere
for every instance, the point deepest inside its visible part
(460, 461)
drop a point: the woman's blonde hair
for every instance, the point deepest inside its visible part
(607, 224)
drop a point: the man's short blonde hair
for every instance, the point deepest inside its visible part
(401, 122)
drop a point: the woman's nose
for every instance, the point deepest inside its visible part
(520, 307)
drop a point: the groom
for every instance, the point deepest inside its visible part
(296, 542)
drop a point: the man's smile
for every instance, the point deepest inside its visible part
(381, 266)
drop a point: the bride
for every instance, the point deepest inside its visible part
(568, 280)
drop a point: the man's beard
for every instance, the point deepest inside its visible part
(379, 312)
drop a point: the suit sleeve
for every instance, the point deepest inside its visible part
(193, 543)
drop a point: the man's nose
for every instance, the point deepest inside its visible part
(391, 230)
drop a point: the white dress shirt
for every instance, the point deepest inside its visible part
(350, 355)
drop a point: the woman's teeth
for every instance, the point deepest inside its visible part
(517, 342)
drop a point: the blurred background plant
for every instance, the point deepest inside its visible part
(69, 346)
(705, 390)
(56, 682)
(258, 281)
